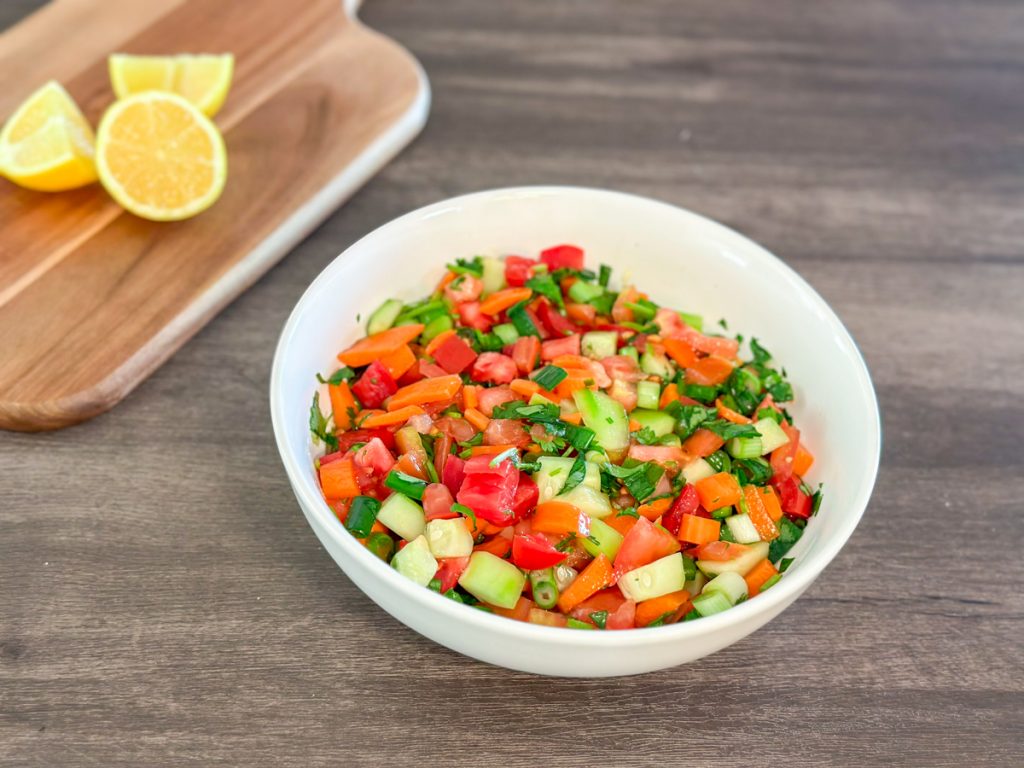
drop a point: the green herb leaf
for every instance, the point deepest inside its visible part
(546, 286)
(522, 321)
(728, 430)
(576, 475)
(462, 509)
(600, 618)
(784, 565)
(342, 374)
(474, 266)
(319, 424)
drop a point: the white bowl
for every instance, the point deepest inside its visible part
(684, 261)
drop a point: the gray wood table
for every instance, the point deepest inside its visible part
(162, 600)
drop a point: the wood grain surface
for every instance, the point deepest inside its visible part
(318, 102)
(163, 602)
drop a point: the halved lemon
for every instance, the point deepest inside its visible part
(160, 157)
(47, 144)
(203, 79)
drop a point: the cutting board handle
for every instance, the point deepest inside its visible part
(352, 7)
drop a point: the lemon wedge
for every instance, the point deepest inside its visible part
(202, 79)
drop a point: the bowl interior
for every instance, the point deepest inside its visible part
(682, 260)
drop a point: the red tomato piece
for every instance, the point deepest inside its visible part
(506, 432)
(375, 455)
(584, 314)
(556, 324)
(783, 456)
(437, 502)
(454, 473)
(493, 367)
(567, 345)
(471, 316)
(449, 570)
(526, 498)
(562, 257)
(347, 439)
(490, 397)
(659, 454)
(374, 386)
(621, 612)
(621, 368)
(518, 269)
(464, 288)
(686, 503)
(533, 551)
(526, 353)
(794, 502)
(454, 355)
(489, 491)
(644, 544)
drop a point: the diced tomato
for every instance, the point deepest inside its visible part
(794, 502)
(459, 429)
(556, 324)
(490, 397)
(413, 375)
(471, 316)
(686, 503)
(454, 355)
(464, 288)
(347, 439)
(620, 312)
(442, 450)
(567, 345)
(624, 392)
(531, 552)
(644, 544)
(721, 551)
(329, 457)
(437, 502)
(374, 386)
(375, 455)
(782, 457)
(526, 498)
(518, 269)
(621, 612)
(494, 367)
(659, 454)
(489, 491)
(449, 570)
(583, 314)
(622, 368)
(454, 473)
(526, 352)
(506, 432)
(562, 257)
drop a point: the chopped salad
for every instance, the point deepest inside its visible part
(530, 441)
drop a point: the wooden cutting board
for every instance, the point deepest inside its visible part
(93, 299)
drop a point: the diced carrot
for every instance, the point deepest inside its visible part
(655, 509)
(378, 527)
(448, 277)
(581, 314)
(771, 503)
(521, 611)
(635, 426)
(729, 414)
(621, 523)
(709, 371)
(560, 517)
(343, 404)
(435, 390)
(524, 387)
(437, 341)
(469, 397)
(573, 418)
(546, 618)
(496, 545)
(653, 609)
(338, 479)
(477, 419)
(702, 443)
(371, 348)
(499, 301)
(759, 514)
(387, 418)
(399, 361)
(758, 575)
(488, 450)
(568, 386)
(721, 551)
(803, 460)
(699, 530)
(718, 491)
(680, 351)
(591, 579)
(669, 395)
(573, 363)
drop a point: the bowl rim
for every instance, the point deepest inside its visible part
(781, 594)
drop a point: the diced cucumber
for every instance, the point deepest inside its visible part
(436, 327)
(694, 321)
(744, 447)
(758, 551)
(494, 274)
(697, 470)
(403, 516)
(599, 344)
(493, 580)
(604, 540)
(729, 584)
(630, 352)
(696, 584)
(670, 440)
(594, 503)
(648, 393)
(506, 332)
(711, 603)
(554, 472)
(449, 538)
(538, 399)
(772, 436)
(654, 579)
(607, 418)
(659, 422)
(581, 292)
(742, 529)
(655, 364)
(415, 562)
(384, 316)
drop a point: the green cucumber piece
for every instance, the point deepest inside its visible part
(655, 364)
(581, 292)
(384, 316)
(436, 327)
(729, 584)
(552, 476)
(697, 470)
(711, 603)
(741, 565)
(604, 540)
(659, 422)
(607, 418)
(630, 352)
(415, 562)
(506, 332)
(654, 579)
(594, 503)
(449, 538)
(742, 529)
(493, 277)
(492, 580)
(599, 344)
(772, 436)
(648, 393)
(403, 516)
(694, 321)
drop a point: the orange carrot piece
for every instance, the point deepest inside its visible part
(448, 277)
(488, 450)
(573, 418)
(718, 491)
(702, 443)
(680, 351)
(709, 371)
(621, 523)
(568, 386)
(655, 509)
(477, 419)
(593, 578)
(699, 530)
(387, 418)
(343, 404)
(469, 396)
(437, 341)
(496, 545)
(521, 611)
(338, 479)
(524, 387)
(499, 301)
(435, 390)
(759, 514)
(669, 395)
(365, 351)
(561, 518)
(758, 575)
(771, 503)
(635, 426)
(573, 362)
(409, 465)
(546, 618)
(653, 609)
(729, 414)
(802, 461)
(399, 361)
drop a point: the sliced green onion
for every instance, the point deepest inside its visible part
(407, 485)
(544, 587)
(721, 513)
(380, 544)
(711, 603)
(521, 320)
(572, 623)
(489, 342)
(700, 392)
(600, 618)
(550, 376)
(604, 277)
(771, 582)
(361, 516)
(744, 447)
